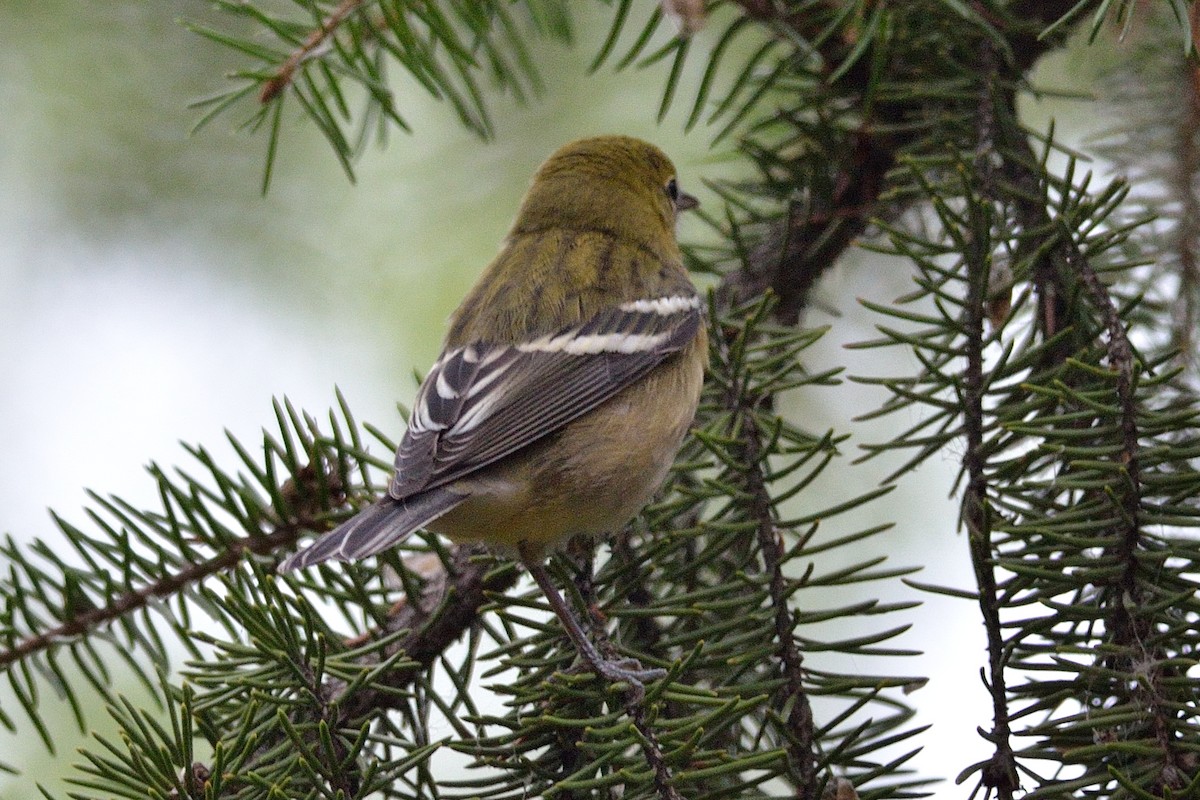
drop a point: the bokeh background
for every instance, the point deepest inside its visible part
(151, 295)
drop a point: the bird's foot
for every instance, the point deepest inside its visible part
(623, 670)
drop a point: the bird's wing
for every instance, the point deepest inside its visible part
(483, 401)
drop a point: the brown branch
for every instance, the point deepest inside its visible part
(813, 241)
(306, 497)
(1121, 358)
(647, 631)
(1187, 315)
(129, 602)
(809, 241)
(283, 76)
(801, 743)
(458, 593)
(1062, 270)
(1000, 772)
(448, 607)
(1130, 626)
(635, 707)
(1127, 632)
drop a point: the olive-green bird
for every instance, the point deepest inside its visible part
(568, 379)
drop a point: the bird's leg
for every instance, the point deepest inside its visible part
(613, 670)
(581, 553)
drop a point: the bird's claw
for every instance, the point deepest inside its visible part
(625, 670)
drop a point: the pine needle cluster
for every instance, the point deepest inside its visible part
(1048, 365)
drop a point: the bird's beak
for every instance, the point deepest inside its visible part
(685, 202)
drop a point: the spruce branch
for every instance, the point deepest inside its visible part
(323, 55)
(277, 83)
(1187, 239)
(1122, 361)
(742, 403)
(1053, 406)
(802, 741)
(751, 433)
(416, 634)
(299, 493)
(1000, 774)
(454, 594)
(823, 220)
(87, 621)
(141, 564)
(1128, 601)
(1127, 634)
(1078, 473)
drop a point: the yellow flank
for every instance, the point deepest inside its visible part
(591, 477)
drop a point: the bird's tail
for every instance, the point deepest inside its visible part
(382, 525)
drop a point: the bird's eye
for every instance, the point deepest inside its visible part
(672, 189)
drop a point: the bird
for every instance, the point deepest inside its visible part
(569, 377)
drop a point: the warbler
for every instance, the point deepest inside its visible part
(568, 379)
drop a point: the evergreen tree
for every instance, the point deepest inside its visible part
(1052, 319)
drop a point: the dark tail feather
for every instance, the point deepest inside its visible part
(377, 528)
